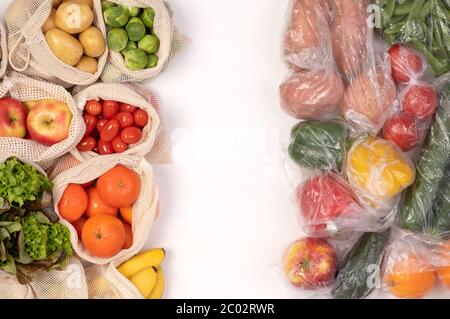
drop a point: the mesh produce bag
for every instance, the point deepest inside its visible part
(28, 49)
(24, 88)
(4, 50)
(67, 171)
(154, 144)
(171, 42)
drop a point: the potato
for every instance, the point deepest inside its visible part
(74, 18)
(56, 3)
(93, 42)
(64, 46)
(90, 3)
(87, 64)
(49, 23)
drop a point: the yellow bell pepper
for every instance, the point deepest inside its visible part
(379, 170)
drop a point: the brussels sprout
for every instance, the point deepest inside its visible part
(116, 17)
(135, 59)
(152, 61)
(148, 17)
(107, 4)
(149, 43)
(117, 39)
(130, 45)
(132, 11)
(135, 29)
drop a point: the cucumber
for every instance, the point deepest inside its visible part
(416, 211)
(440, 219)
(353, 281)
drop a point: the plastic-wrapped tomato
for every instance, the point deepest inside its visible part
(110, 109)
(420, 100)
(124, 107)
(87, 144)
(91, 123)
(93, 107)
(403, 130)
(110, 131)
(406, 63)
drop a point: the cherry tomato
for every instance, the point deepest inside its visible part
(403, 130)
(110, 109)
(101, 124)
(110, 131)
(125, 119)
(140, 118)
(87, 144)
(93, 107)
(405, 62)
(104, 148)
(118, 145)
(91, 123)
(420, 101)
(124, 107)
(131, 135)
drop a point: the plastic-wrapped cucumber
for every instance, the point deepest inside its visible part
(319, 145)
(353, 280)
(415, 213)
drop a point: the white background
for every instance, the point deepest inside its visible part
(226, 214)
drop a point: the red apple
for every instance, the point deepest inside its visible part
(49, 121)
(310, 263)
(13, 117)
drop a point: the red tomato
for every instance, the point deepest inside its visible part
(140, 118)
(403, 130)
(91, 123)
(131, 135)
(101, 124)
(110, 109)
(93, 107)
(420, 100)
(124, 107)
(325, 198)
(110, 131)
(405, 63)
(125, 119)
(104, 148)
(118, 145)
(87, 144)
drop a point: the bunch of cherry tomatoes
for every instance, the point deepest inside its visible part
(111, 126)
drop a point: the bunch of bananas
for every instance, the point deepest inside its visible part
(145, 272)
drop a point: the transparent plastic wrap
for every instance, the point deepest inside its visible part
(407, 65)
(307, 41)
(378, 171)
(427, 202)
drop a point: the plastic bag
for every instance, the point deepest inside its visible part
(29, 52)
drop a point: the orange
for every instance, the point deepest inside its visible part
(444, 272)
(411, 277)
(127, 214)
(103, 235)
(73, 203)
(128, 236)
(119, 187)
(78, 225)
(96, 205)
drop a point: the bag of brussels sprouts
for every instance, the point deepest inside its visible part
(154, 144)
(141, 38)
(64, 54)
(3, 50)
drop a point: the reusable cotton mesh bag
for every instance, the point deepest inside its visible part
(69, 170)
(171, 42)
(29, 52)
(4, 50)
(154, 143)
(24, 88)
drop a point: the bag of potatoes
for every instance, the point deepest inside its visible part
(143, 39)
(153, 144)
(62, 41)
(68, 170)
(48, 124)
(3, 50)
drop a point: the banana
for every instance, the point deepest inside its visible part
(145, 281)
(158, 291)
(143, 260)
